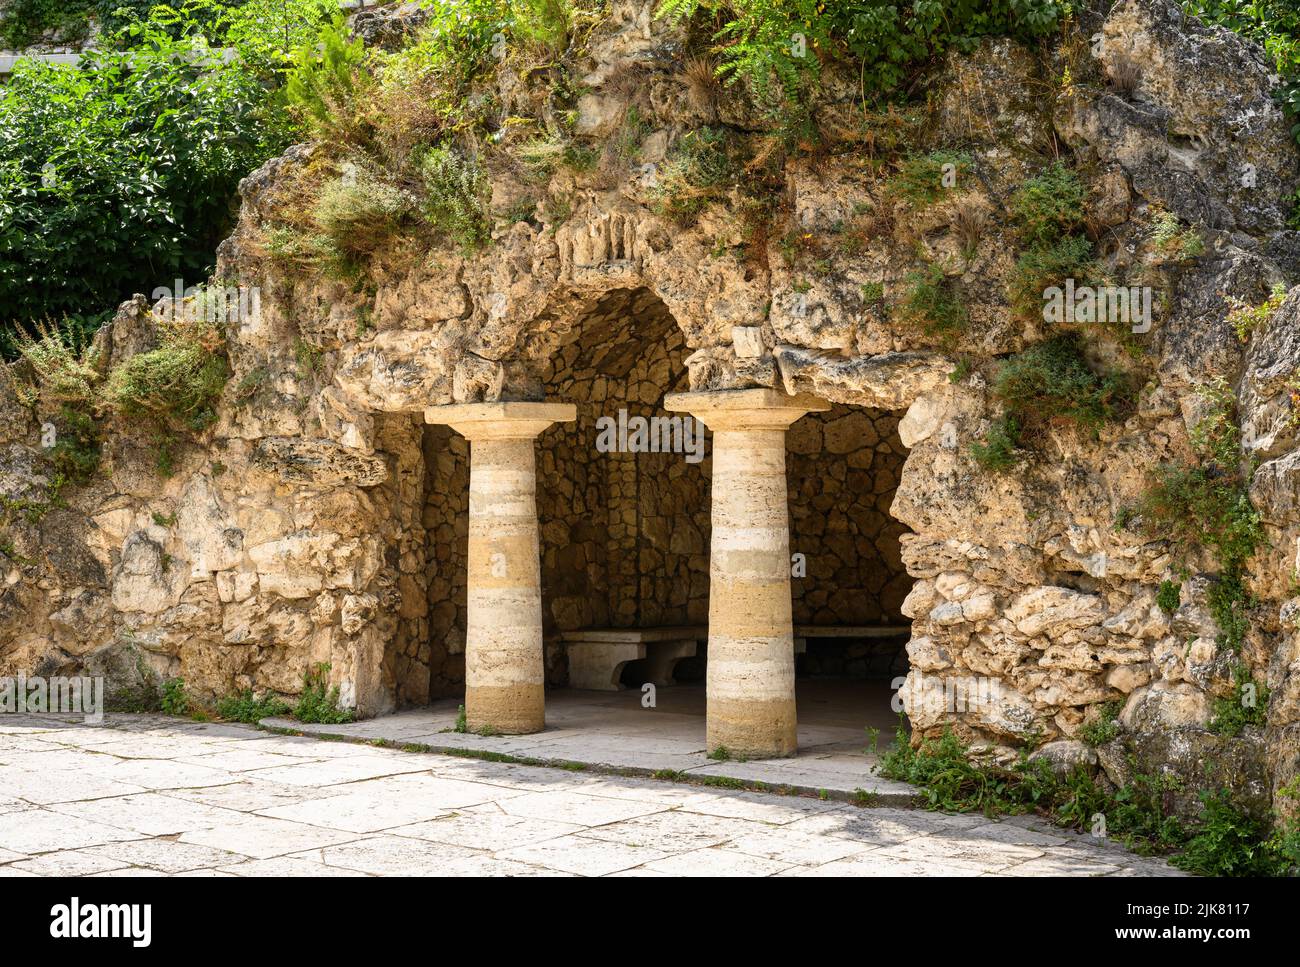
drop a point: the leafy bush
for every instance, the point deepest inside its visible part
(1052, 382)
(1046, 264)
(65, 363)
(1247, 705)
(456, 197)
(1104, 728)
(1049, 382)
(703, 164)
(1049, 205)
(1228, 842)
(1169, 596)
(358, 212)
(175, 387)
(75, 454)
(318, 701)
(247, 707)
(889, 42)
(1245, 318)
(1205, 506)
(175, 701)
(23, 22)
(323, 82)
(1173, 241)
(121, 169)
(931, 303)
(919, 180)
(999, 451)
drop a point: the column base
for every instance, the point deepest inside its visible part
(506, 709)
(752, 729)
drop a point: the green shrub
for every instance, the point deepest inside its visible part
(456, 203)
(931, 303)
(1048, 206)
(121, 169)
(1174, 242)
(702, 166)
(65, 364)
(175, 701)
(1169, 596)
(919, 181)
(358, 213)
(23, 22)
(175, 387)
(1209, 507)
(1229, 842)
(887, 43)
(322, 84)
(76, 451)
(1104, 728)
(318, 701)
(999, 451)
(1247, 705)
(247, 707)
(1205, 506)
(1051, 381)
(1046, 264)
(1245, 318)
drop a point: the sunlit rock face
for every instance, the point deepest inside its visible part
(321, 521)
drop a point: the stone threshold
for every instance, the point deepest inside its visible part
(826, 775)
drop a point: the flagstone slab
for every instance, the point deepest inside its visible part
(262, 837)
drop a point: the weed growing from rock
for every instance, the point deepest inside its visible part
(245, 706)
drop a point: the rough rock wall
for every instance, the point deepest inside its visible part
(311, 544)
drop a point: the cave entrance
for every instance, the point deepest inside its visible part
(848, 582)
(625, 525)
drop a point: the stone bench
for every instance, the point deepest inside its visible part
(597, 656)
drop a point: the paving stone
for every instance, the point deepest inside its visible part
(69, 863)
(360, 812)
(252, 795)
(396, 856)
(795, 848)
(245, 760)
(165, 855)
(48, 788)
(42, 831)
(250, 803)
(339, 770)
(717, 861)
(287, 866)
(674, 832)
(163, 774)
(776, 810)
(262, 837)
(479, 828)
(583, 856)
(149, 813)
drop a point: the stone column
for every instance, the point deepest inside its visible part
(750, 670)
(504, 666)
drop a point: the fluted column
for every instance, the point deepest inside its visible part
(504, 665)
(750, 670)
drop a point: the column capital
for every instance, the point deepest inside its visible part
(501, 420)
(745, 409)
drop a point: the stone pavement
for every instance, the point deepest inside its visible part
(148, 795)
(611, 730)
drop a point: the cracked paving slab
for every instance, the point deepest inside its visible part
(155, 796)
